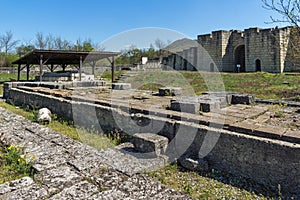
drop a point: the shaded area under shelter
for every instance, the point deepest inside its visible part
(63, 58)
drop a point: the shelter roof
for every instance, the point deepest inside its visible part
(62, 57)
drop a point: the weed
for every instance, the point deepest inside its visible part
(278, 110)
(15, 164)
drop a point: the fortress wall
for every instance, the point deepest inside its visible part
(212, 43)
(270, 46)
(235, 39)
(262, 44)
(284, 35)
(265, 161)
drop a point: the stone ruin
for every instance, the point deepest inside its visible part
(65, 76)
(207, 102)
(245, 137)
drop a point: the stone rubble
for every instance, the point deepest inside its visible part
(67, 169)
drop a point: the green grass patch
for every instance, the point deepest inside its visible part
(14, 164)
(262, 84)
(107, 74)
(10, 77)
(202, 186)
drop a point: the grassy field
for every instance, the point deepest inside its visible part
(208, 186)
(9, 77)
(262, 84)
(107, 74)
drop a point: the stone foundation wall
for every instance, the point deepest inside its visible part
(266, 161)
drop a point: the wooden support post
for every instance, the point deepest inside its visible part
(113, 69)
(41, 68)
(27, 71)
(63, 66)
(19, 71)
(80, 68)
(93, 67)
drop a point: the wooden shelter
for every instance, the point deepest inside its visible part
(63, 58)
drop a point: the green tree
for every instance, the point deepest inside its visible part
(24, 49)
(86, 45)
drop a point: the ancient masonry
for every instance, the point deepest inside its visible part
(251, 50)
(244, 140)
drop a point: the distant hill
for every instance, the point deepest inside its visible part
(180, 45)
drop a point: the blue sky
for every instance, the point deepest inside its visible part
(100, 20)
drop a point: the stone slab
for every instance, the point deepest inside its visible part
(170, 91)
(31, 192)
(15, 185)
(121, 86)
(270, 131)
(150, 143)
(80, 191)
(188, 107)
(209, 106)
(247, 99)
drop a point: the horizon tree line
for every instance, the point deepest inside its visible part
(11, 49)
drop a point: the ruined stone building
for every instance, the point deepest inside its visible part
(251, 50)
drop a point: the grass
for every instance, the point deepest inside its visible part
(107, 74)
(9, 77)
(208, 186)
(262, 84)
(14, 164)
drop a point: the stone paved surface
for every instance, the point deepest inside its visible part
(68, 169)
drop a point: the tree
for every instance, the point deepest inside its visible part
(160, 45)
(61, 44)
(41, 41)
(50, 42)
(86, 45)
(24, 49)
(288, 9)
(7, 42)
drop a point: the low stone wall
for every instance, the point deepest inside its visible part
(51, 85)
(266, 161)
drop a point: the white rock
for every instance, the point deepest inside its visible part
(44, 115)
